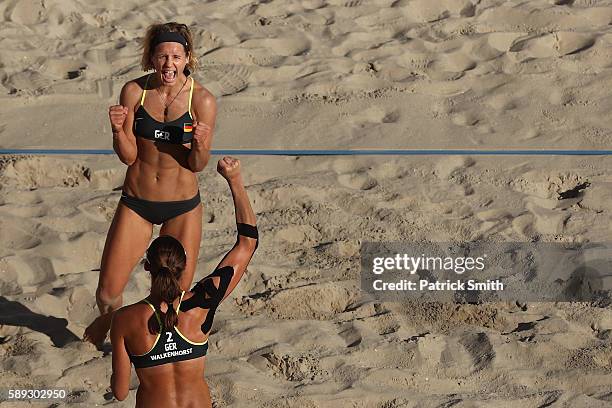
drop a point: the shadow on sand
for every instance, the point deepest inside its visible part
(16, 314)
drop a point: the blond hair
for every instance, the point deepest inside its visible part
(154, 30)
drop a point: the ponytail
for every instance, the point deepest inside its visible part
(167, 259)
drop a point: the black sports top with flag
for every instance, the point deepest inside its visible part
(177, 131)
(170, 346)
(176, 347)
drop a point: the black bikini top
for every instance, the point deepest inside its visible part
(169, 347)
(177, 131)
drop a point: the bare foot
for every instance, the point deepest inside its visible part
(98, 329)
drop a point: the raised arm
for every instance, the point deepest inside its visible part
(214, 288)
(122, 119)
(240, 255)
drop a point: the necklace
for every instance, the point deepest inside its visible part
(163, 100)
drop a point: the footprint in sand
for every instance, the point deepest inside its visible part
(385, 324)
(449, 166)
(493, 215)
(598, 197)
(417, 62)
(480, 350)
(99, 67)
(60, 68)
(304, 235)
(392, 355)
(357, 181)
(235, 78)
(27, 272)
(427, 11)
(388, 20)
(548, 221)
(313, 4)
(501, 103)
(456, 62)
(24, 210)
(350, 334)
(26, 82)
(105, 88)
(100, 209)
(247, 9)
(359, 42)
(482, 50)
(374, 116)
(18, 235)
(502, 42)
(560, 96)
(22, 197)
(106, 178)
(571, 42)
(222, 390)
(318, 301)
(344, 165)
(549, 45)
(352, 174)
(429, 351)
(292, 367)
(456, 357)
(285, 47)
(25, 12)
(267, 57)
(465, 119)
(35, 172)
(389, 170)
(546, 185)
(81, 305)
(523, 225)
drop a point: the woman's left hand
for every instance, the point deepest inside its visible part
(201, 136)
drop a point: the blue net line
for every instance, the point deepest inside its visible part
(341, 152)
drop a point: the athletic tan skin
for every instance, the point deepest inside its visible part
(156, 172)
(180, 384)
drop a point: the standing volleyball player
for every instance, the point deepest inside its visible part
(165, 336)
(162, 130)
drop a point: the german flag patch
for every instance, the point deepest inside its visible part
(187, 127)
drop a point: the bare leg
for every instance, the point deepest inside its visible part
(126, 242)
(187, 228)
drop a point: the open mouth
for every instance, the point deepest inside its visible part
(168, 75)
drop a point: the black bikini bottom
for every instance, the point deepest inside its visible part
(158, 212)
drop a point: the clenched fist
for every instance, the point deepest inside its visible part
(228, 167)
(201, 135)
(117, 115)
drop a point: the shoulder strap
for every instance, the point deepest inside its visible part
(178, 309)
(190, 96)
(144, 91)
(154, 311)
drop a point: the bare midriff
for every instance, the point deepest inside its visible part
(160, 173)
(177, 385)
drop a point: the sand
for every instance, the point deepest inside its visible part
(298, 330)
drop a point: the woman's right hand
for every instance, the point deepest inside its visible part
(117, 115)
